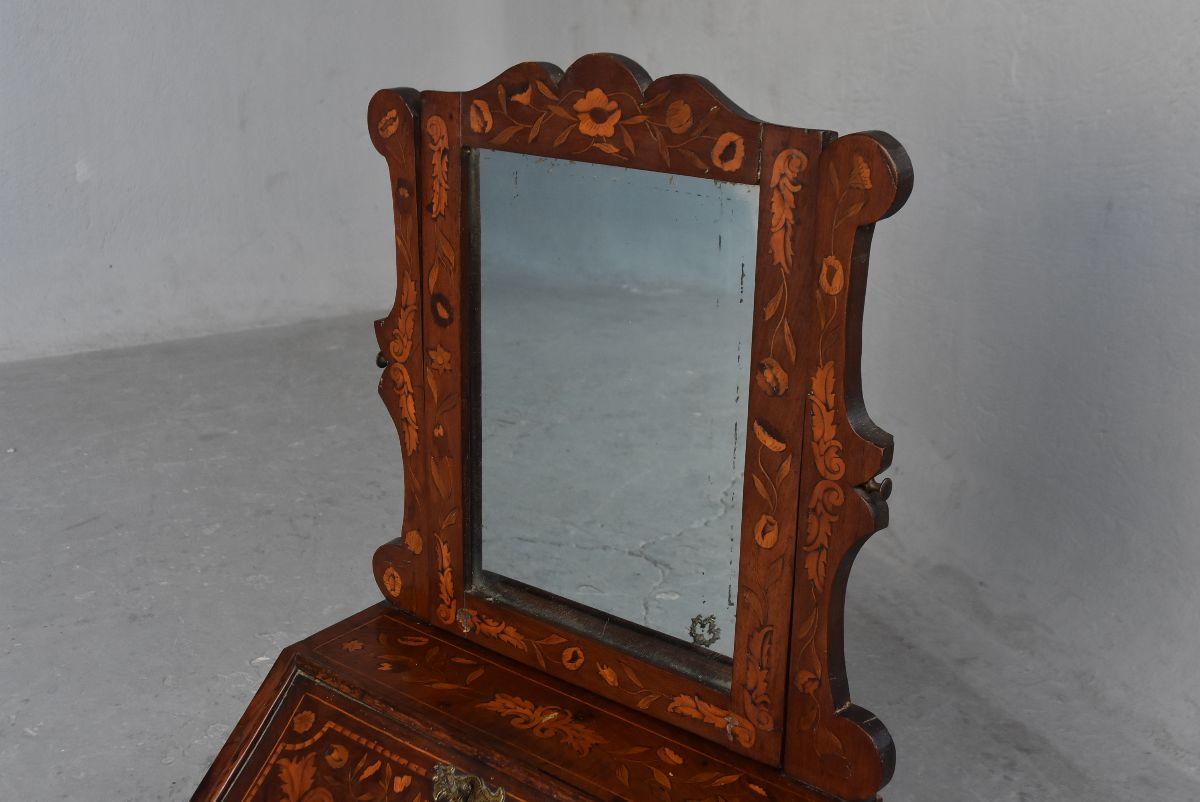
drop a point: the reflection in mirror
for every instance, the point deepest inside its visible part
(616, 312)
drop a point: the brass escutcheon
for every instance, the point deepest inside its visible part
(452, 785)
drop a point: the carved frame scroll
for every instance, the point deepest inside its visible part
(807, 504)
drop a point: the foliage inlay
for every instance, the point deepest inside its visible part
(639, 760)
(581, 120)
(827, 495)
(324, 766)
(544, 721)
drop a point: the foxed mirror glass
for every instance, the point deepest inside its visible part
(616, 308)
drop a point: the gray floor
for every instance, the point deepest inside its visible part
(173, 515)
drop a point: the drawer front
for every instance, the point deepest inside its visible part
(320, 746)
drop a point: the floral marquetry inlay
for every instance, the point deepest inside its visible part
(325, 755)
(772, 458)
(447, 603)
(682, 126)
(400, 577)
(460, 684)
(606, 111)
(400, 348)
(594, 119)
(439, 145)
(804, 505)
(550, 724)
(863, 178)
(388, 123)
(827, 495)
(734, 726)
(544, 721)
(393, 583)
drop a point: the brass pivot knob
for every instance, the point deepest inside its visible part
(884, 488)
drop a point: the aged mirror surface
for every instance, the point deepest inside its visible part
(616, 309)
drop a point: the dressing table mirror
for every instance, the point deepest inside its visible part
(623, 368)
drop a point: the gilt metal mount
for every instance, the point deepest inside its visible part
(452, 785)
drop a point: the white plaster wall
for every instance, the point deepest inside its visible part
(169, 169)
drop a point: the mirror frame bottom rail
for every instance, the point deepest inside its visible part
(669, 653)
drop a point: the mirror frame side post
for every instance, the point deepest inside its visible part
(770, 522)
(832, 743)
(401, 566)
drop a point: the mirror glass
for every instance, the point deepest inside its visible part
(616, 308)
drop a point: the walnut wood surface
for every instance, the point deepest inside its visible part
(367, 708)
(838, 746)
(809, 503)
(401, 567)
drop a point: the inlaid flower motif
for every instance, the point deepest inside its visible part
(832, 277)
(480, 116)
(336, 756)
(392, 582)
(401, 342)
(404, 195)
(439, 358)
(439, 431)
(728, 151)
(807, 681)
(767, 438)
(388, 123)
(408, 406)
(607, 674)
(413, 541)
(788, 167)
(439, 137)
(572, 658)
(353, 645)
(439, 177)
(860, 175)
(679, 116)
(766, 531)
(524, 98)
(443, 313)
(303, 721)
(669, 755)
(598, 114)
(772, 377)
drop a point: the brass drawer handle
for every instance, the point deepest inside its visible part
(452, 785)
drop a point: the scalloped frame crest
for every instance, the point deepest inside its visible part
(810, 499)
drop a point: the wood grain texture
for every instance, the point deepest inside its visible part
(804, 460)
(830, 742)
(444, 413)
(366, 709)
(775, 444)
(401, 566)
(558, 698)
(742, 705)
(605, 109)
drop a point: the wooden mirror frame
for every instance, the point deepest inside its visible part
(810, 499)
